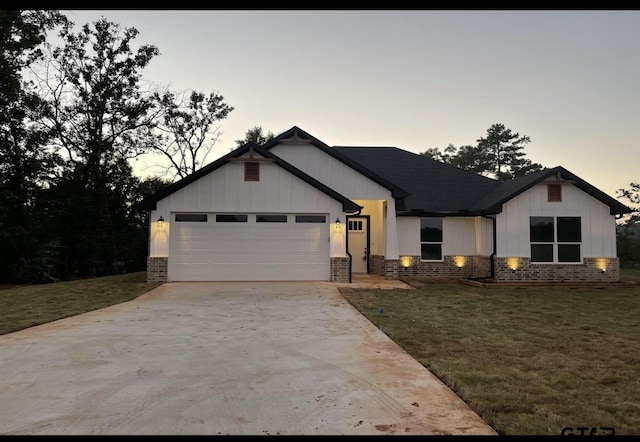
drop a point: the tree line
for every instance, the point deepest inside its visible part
(72, 117)
(499, 154)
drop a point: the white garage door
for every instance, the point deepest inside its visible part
(248, 247)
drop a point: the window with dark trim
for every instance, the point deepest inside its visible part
(191, 217)
(431, 239)
(251, 171)
(569, 238)
(231, 218)
(271, 218)
(354, 226)
(555, 239)
(311, 219)
(554, 193)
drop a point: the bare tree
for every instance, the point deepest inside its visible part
(187, 131)
(99, 119)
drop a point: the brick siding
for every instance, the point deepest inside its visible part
(451, 268)
(589, 271)
(340, 269)
(157, 268)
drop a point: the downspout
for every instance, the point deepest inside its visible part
(350, 258)
(346, 218)
(492, 268)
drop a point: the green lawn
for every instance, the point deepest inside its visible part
(31, 305)
(530, 361)
(630, 274)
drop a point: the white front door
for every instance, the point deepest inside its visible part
(357, 231)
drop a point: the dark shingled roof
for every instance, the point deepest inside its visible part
(438, 188)
(421, 186)
(434, 187)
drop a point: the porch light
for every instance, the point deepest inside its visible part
(338, 224)
(603, 270)
(160, 223)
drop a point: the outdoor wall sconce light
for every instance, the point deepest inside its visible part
(513, 270)
(338, 224)
(603, 270)
(160, 223)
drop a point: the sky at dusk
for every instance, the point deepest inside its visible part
(413, 79)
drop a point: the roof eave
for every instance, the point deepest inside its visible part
(295, 131)
(615, 207)
(150, 203)
(433, 213)
(347, 204)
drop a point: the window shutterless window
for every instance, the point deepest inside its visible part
(555, 239)
(354, 226)
(431, 239)
(231, 218)
(311, 219)
(271, 218)
(191, 217)
(569, 238)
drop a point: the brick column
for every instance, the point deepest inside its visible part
(391, 268)
(340, 269)
(157, 268)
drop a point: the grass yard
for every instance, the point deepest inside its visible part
(30, 305)
(530, 361)
(630, 274)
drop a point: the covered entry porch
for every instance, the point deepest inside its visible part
(372, 240)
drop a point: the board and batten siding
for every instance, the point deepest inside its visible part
(484, 236)
(458, 236)
(330, 171)
(598, 225)
(344, 180)
(224, 190)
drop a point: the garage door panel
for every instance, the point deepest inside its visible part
(271, 272)
(274, 258)
(246, 251)
(231, 245)
(193, 233)
(202, 246)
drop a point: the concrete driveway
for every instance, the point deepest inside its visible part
(232, 358)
